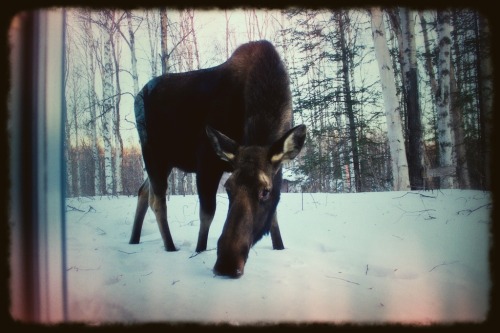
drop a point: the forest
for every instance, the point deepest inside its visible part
(393, 98)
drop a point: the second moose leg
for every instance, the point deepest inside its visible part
(158, 203)
(140, 212)
(276, 235)
(207, 190)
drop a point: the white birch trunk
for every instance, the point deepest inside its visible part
(408, 40)
(92, 103)
(399, 163)
(118, 157)
(78, 190)
(70, 191)
(135, 75)
(106, 118)
(152, 34)
(118, 162)
(444, 122)
(344, 168)
(164, 40)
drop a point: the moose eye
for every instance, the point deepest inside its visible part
(264, 194)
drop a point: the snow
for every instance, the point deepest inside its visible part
(391, 257)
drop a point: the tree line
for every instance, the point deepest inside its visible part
(394, 99)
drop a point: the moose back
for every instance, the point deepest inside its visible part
(235, 117)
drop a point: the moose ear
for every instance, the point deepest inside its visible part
(289, 145)
(224, 147)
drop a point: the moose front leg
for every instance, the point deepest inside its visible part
(205, 222)
(207, 190)
(276, 235)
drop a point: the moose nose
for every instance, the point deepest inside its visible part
(230, 268)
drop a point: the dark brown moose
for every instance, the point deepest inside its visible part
(181, 119)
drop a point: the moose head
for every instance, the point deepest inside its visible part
(254, 192)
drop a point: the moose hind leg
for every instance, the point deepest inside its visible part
(158, 203)
(276, 235)
(140, 212)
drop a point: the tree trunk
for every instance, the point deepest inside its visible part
(458, 130)
(428, 55)
(152, 34)
(195, 41)
(429, 68)
(444, 122)
(77, 156)
(414, 116)
(118, 138)
(485, 98)
(399, 162)
(163, 40)
(227, 33)
(135, 75)
(69, 160)
(91, 96)
(107, 105)
(349, 103)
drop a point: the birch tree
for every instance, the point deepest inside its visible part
(444, 121)
(164, 40)
(118, 156)
(91, 97)
(414, 117)
(73, 94)
(345, 58)
(190, 14)
(107, 99)
(152, 28)
(227, 33)
(392, 110)
(133, 58)
(485, 97)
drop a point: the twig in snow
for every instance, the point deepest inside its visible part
(196, 253)
(418, 213)
(102, 232)
(190, 223)
(71, 208)
(420, 194)
(470, 211)
(334, 277)
(443, 264)
(127, 252)
(88, 211)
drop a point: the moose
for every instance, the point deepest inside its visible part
(235, 117)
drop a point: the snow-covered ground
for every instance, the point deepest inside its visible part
(399, 257)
